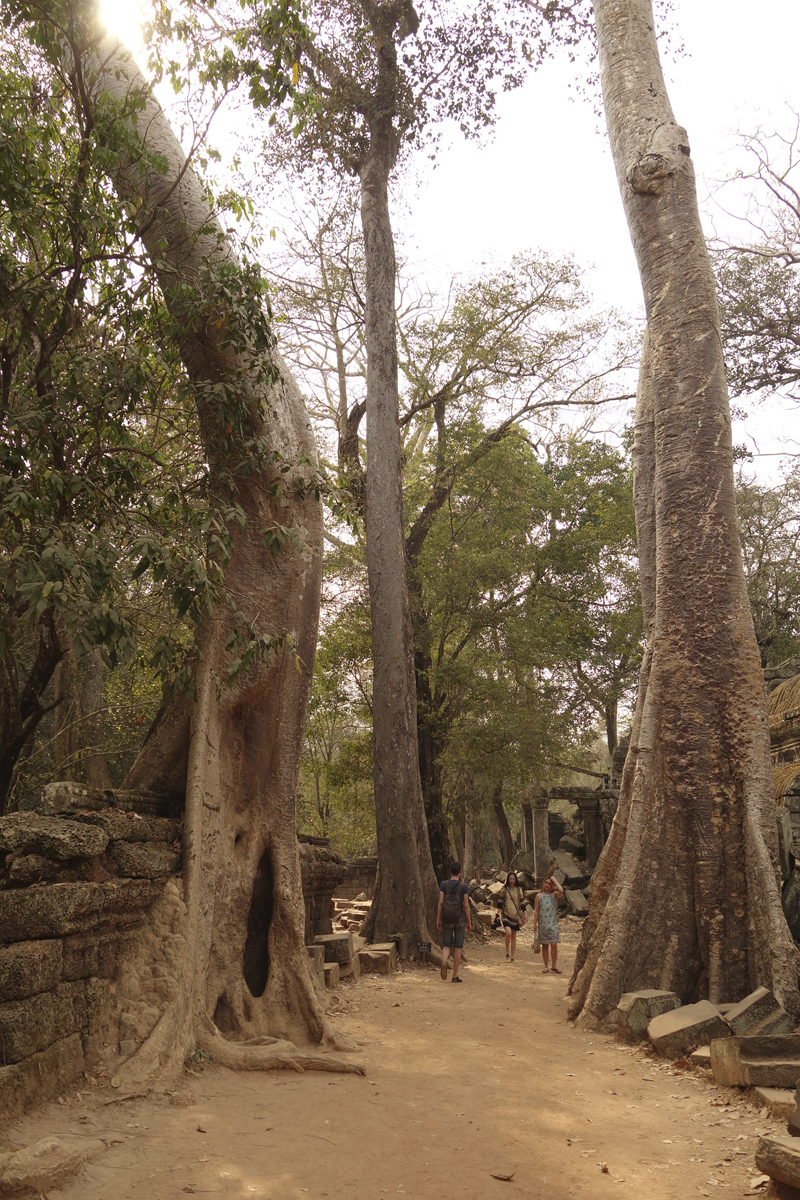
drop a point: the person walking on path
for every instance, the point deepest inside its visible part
(453, 918)
(545, 922)
(511, 902)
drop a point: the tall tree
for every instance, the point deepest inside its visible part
(686, 895)
(232, 748)
(377, 79)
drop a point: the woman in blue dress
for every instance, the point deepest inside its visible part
(545, 922)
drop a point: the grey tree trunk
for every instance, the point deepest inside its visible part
(94, 766)
(686, 894)
(235, 754)
(406, 890)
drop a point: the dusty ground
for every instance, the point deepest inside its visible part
(462, 1083)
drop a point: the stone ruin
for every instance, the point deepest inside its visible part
(92, 932)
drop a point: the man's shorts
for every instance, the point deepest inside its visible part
(453, 936)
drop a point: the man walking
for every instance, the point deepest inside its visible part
(453, 918)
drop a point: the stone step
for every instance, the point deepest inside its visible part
(385, 948)
(701, 1057)
(780, 1102)
(779, 1157)
(771, 1061)
(677, 1034)
(331, 973)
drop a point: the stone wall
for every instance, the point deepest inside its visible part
(359, 877)
(322, 870)
(90, 938)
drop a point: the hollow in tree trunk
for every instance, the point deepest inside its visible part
(235, 751)
(686, 893)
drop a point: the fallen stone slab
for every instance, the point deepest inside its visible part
(28, 968)
(338, 947)
(331, 974)
(636, 1010)
(351, 970)
(50, 837)
(574, 873)
(358, 942)
(571, 845)
(46, 1164)
(577, 903)
(779, 1157)
(701, 1057)
(676, 1034)
(793, 1121)
(768, 1061)
(385, 947)
(758, 1013)
(374, 962)
(779, 1102)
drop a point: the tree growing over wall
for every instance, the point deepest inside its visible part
(230, 740)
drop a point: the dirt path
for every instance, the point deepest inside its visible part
(462, 1083)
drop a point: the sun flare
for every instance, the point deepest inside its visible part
(124, 19)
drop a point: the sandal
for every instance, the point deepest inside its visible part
(545, 970)
(444, 970)
(512, 960)
(456, 979)
(508, 956)
(557, 970)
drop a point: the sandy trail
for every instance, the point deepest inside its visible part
(462, 1083)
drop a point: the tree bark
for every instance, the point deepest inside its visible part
(470, 862)
(67, 717)
(405, 896)
(94, 765)
(503, 827)
(686, 894)
(235, 751)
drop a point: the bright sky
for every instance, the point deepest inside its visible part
(546, 179)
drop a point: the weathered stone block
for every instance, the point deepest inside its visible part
(571, 845)
(385, 948)
(24, 869)
(701, 1057)
(577, 903)
(753, 1010)
(351, 970)
(145, 860)
(779, 1157)
(374, 962)
(131, 827)
(61, 908)
(45, 1165)
(65, 797)
(676, 1034)
(27, 1026)
(80, 956)
(317, 956)
(29, 967)
(636, 1010)
(771, 1061)
(331, 973)
(338, 947)
(779, 1102)
(50, 837)
(40, 1076)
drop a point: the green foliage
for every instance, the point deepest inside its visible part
(769, 523)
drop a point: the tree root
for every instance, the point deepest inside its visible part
(271, 1054)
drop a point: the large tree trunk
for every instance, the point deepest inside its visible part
(67, 716)
(430, 769)
(236, 750)
(686, 894)
(21, 708)
(405, 893)
(94, 765)
(503, 827)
